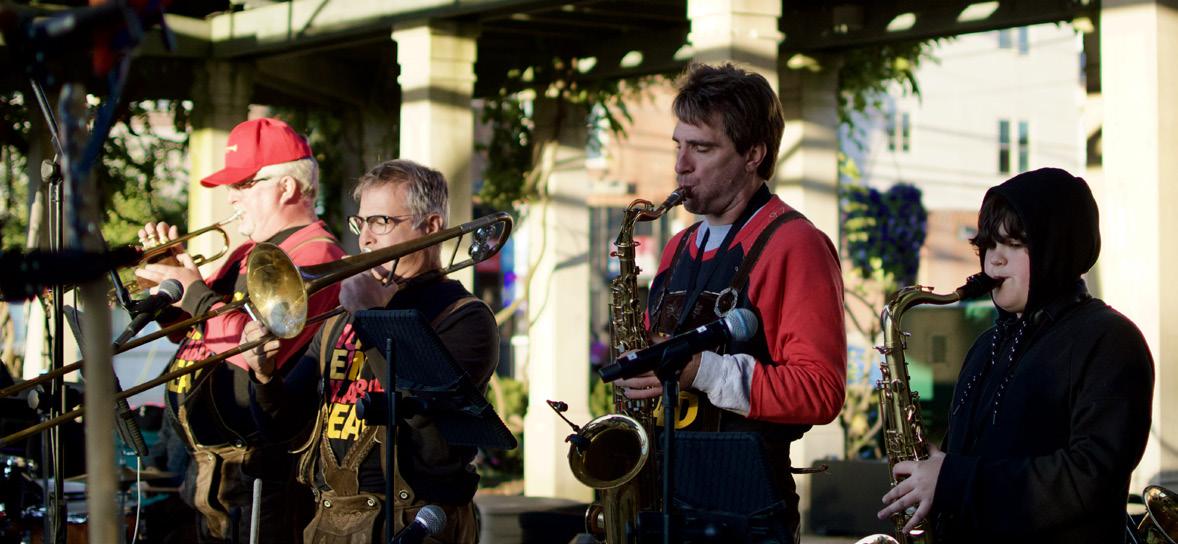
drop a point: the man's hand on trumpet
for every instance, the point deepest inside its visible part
(372, 289)
(260, 359)
(154, 234)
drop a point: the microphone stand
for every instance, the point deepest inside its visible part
(390, 436)
(673, 361)
(52, 174)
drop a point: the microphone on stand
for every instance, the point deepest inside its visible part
(737, 325)
(429, 521)
(145, 310)
(169, 292)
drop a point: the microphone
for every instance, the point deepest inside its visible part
(26, 274)
(739, 325)
(145, 310)
(429, 521)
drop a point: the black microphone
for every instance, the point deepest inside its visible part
(145, 310)
(429, 521)
(738, 325)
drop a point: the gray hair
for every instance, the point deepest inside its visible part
(304, 171)
(428, 192)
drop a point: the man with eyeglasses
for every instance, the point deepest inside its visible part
(342, 459)
(272, 179)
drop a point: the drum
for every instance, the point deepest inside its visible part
(77, 516)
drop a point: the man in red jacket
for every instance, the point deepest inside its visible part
(272, 179)
(752, 251)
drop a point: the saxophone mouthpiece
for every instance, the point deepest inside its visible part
(977, 285)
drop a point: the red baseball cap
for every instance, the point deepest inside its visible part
(254, 144)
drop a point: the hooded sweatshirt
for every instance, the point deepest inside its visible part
(1051, 411)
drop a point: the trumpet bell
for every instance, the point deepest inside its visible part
(277, 295)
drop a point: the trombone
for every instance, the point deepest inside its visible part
(277, 293)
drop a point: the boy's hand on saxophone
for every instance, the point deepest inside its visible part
(648, 386)
(914, 493)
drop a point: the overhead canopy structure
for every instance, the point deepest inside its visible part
(341, 51)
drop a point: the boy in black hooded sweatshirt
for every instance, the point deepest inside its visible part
(1052, 407)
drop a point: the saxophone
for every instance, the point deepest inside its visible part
(612, 453)
(899, 406)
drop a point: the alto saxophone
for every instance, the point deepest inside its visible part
(612, 453)
(899, 405)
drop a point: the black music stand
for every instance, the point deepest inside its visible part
(421, 366)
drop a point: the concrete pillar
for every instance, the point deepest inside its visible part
(370, 138)
(437, 120)
(741, 31)
(557, 235)
(222, 99)
(807, 166)
(1138, 42)
(746, 32)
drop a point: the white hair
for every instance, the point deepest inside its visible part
(304, 171)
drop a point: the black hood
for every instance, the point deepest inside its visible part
(1062, 226)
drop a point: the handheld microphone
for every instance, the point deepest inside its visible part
(737, 325)
(429, 521)
(143, 312)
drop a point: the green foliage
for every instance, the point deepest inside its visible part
(508, 178)
(867, 73)
(509, 397)
(324, 131)
(601, 397)
(141, 177)
(509, 152)
(144, 170)
(883, 232)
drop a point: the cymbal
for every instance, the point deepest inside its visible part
(127, 475)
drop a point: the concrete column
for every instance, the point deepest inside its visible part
(370, 138)
(437, 120)
(741, 31)
(807, 166)
(1138, 42)
(556, 233)
(807, 179)
(222, 99)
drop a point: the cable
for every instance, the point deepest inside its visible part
(139, 500)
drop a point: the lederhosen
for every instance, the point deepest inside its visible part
(709, 300)
(226, 446)
(343, 513)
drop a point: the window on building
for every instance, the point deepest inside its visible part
(1003, 146)
(905, 132)
(1024, 40)
(890, 129)
(1024, 151)
(1004, 39)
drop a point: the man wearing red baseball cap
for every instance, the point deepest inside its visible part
(272, 178)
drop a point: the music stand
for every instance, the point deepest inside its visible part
(421, 365)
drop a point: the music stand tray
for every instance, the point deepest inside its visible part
(425, 370)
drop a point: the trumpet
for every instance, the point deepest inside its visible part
(277, 293)
(165, 253)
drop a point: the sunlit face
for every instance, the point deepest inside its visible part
(709, 167)
(1010, 263)
(390, 200)
(258, 201)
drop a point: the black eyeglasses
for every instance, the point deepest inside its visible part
(249, 183)
(378, 224)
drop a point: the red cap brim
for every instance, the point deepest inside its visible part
(228, 176)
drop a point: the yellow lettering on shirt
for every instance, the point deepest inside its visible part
(687, 412)
(336, 420)
(357, 364)
(337, 366)
(183, 383)
(353, 425)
